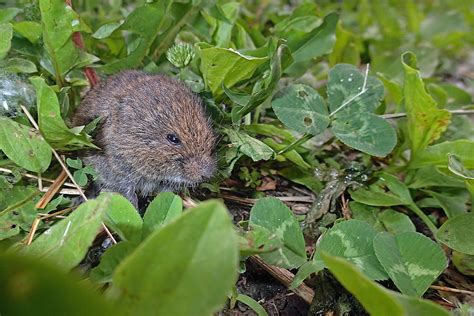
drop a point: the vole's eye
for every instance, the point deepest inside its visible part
(173, 139)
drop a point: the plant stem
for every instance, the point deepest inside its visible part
(296, 143)
(424, 218)
(400, 115)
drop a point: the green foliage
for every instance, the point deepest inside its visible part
(375, 298)
(288, 88)
(271, 219)
(26, 283)
(412, 260)
(204, 242)
(24, 146)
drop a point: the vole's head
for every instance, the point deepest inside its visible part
(171, 138)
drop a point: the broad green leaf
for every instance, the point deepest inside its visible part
(456, 233)
(145, 22)
(164, 208)
(106, 30)
(109, 261)
(366, 132)
(455, 166)
(396, 222)
(66, 243)
(412, 260)
(425, 122)
(59, 22)
(352, 240)
(387, 220)
(346, 82)
(314, 44)
(376, 299)
(5, 41)
(274, 220)
(398, 192)
(28, 29)
(249, 146)
(301, 108)
(51, 124)
(24, 146)
(123, 218)
(432, 176)
(26, 285)
(225, 66)
(20, 65)
(463, 262)
(453, 201)
(8, 14)
(263, 88)
(17, 209)
(437, 155)
(200, 267)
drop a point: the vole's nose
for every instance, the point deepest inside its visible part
(209, 168)
(200, 168)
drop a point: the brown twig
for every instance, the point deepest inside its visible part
(285, 277)
(53, 189)
(346, 212)
(66, 170)
(449, 289)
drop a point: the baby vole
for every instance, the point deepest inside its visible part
(154, 134)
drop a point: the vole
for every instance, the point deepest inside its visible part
(154, 134)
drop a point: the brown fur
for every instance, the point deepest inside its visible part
(138, 111)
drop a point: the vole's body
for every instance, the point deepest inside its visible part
(153, 134)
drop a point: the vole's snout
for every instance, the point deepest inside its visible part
(199, 169)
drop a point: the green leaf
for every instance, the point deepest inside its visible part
(316, 43)
(80, 177)
(164, 209)
(275, 220)
(352, 240)
(463, 262)
(200, 267)
(344, 83)
(66, 243)
(5, 41)
(59, 22)
(455, 166)
(28, 29)
(388, 220)
(437, 155)
(8, 14)
(106, 30)
(425, 122)
(248, 145)
(412, 260)
(376, 299)
(26, 284)
(352, 107)
(20, 65)
(74, 163)
(456, 233)
(347, 48)
(24, 146)
(109, 261)
(263, 88)
(301, 108)
(225, 66)
(123, 218)
(145, 22)
(366, 132)
(253, 304)
(51, 124)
